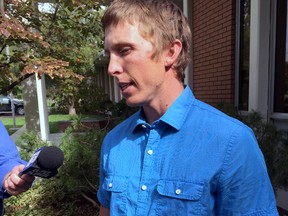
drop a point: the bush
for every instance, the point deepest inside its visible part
(80, 173)
(73, 190)
(28, 143)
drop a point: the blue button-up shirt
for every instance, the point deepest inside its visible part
(194, 160)
(9, 158)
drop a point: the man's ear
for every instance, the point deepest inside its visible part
(172, 53)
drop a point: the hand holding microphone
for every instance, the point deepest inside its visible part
(44, 163)
(13, 184)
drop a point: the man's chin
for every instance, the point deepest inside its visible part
(131, 103)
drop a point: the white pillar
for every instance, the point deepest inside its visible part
(42, 105)
(259, 56)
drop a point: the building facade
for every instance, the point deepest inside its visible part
(240, 55)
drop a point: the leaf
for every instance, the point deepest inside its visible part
(5, 32)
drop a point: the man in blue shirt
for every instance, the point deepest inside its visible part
(10, 166)
(176, 155)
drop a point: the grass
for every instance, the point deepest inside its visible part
(53, 121)
(9, 123)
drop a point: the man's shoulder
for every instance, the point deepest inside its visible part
(213, 117)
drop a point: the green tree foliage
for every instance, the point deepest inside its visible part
(75, 36)
(61, 41)
(23, 49)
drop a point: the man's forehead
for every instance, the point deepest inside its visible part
(121, 30)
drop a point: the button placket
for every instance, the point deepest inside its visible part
(147, 169)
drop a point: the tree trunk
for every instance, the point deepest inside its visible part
(71, 108)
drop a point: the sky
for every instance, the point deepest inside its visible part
(45, 7)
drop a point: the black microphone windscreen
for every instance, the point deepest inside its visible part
(50, 158)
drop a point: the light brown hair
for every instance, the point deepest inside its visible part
(160, 22)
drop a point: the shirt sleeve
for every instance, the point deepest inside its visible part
(245, 187)
(103, 195)
(9, 156)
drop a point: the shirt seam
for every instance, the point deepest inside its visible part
(228, 153)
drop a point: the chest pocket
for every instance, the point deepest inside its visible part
(183, 196)
(180, 190)
(116, 184)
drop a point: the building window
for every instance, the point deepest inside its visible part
(244, 47)
(281, 60)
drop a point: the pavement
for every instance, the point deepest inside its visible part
(18, 133)
(54, 138)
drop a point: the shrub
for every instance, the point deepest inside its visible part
(73, 190)
(28, 143)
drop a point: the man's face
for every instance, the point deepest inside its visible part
(139, 77)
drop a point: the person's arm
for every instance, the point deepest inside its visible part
(10, 166)
(103, 195)
(9, 155)
(245, 187)
(104, 211)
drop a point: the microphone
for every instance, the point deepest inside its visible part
(44, 162)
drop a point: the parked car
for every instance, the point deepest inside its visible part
(5, 105)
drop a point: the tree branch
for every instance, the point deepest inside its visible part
(53, 20)
(3, 47)
(12, 85)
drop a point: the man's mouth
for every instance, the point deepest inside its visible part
(124, 86)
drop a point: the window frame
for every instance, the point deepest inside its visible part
(274, 115)
(238, 57)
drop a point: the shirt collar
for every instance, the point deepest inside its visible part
(176, 114)
(178, 111)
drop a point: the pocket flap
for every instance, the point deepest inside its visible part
(180, 189)
(115, 183)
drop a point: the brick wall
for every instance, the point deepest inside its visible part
(213, 29)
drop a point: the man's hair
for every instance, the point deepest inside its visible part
(160, 22)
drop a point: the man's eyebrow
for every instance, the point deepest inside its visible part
(117, 46)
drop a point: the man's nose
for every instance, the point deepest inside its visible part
(114, 66)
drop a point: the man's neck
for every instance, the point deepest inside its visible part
(159, 106)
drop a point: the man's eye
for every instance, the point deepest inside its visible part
(125, 51)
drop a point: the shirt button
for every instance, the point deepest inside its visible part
(110, 185)
(150, 152)
(144, 187)
(143, 126)
(178, 191)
